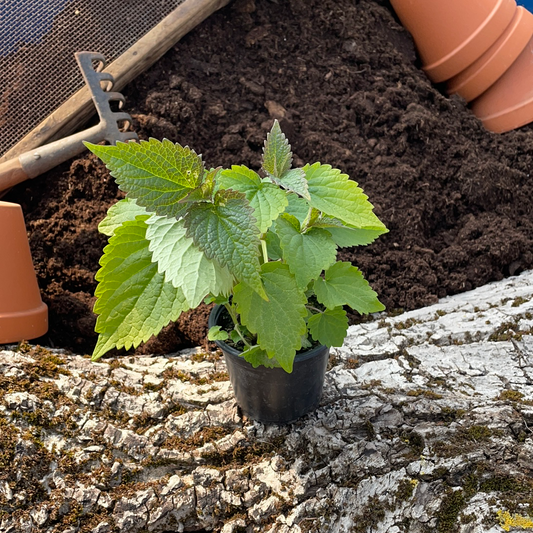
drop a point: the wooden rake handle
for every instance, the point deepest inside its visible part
(31, 164)
(144, 53)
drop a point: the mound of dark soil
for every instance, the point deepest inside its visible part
(343, 77)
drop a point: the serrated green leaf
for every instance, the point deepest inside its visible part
(279, 322)
(344, 284)
(292, 221)
(123, 210)
(133, 300)
(239, 178)
(158, 174)
(297, 207)
(222, 196)
(277, 155)
(293, 181)
(258, 357)
(355, 236)
(336, 195)
(267, 200)
(347, 236)
(329, 327)
(215, 333)
(234, 336)
(307, 254)
(183, 264)
(228, 234)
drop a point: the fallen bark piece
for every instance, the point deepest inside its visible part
(425, 425)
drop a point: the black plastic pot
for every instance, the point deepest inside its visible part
(271, 395)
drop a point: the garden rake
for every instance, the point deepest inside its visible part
(111, 128)
(43, 98)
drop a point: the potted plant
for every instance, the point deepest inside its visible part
(262, 247)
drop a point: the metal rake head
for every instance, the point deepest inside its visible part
(100, 84)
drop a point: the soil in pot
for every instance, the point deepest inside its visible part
(344, 79)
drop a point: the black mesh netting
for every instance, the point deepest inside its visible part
(38, 38)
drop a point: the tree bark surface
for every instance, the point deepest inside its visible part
(424, 425)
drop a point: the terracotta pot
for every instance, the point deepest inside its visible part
(23, 315)
(481, 74)
(450, 35)
(508, 103)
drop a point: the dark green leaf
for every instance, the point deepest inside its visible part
(228, 234)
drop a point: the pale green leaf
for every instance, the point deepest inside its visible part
(235, 337)
(133, 300)
(258, 357)
(277, 155)
(344, 284)
(215, 333)
(267, 200)
(298, 207)
(307, 254)
(228, 234)
(123, 210)
(329, 327)
(158, 174)
(348, 236)
(219, 299)
(239, 178)
(306, 343)
(183, 264)
(279, 322)
(336, 195)
(293, 181)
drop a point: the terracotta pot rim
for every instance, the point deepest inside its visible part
(478, 77)
(436, 70)
(24, 325)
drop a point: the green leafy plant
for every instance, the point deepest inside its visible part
(263, 245)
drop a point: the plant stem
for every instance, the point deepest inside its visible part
(310, 307)
(264, 249)
(233, 316)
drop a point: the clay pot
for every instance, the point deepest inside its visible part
(23, 315)
(450, 35)
(481, 74)
(508, 103)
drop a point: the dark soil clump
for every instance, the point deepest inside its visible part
(344, 80)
